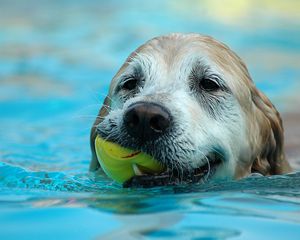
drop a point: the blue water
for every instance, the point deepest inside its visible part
(56, 62)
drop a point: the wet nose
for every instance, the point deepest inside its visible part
(146, 121)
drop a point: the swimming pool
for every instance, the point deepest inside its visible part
(56, 62)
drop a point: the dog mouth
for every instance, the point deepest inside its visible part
(175, 176)
(172, 175)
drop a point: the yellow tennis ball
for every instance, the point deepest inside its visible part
(121, 163)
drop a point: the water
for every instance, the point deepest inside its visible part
(56, 61)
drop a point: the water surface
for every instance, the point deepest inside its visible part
(56, 62)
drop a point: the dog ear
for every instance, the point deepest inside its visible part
(270, 157)
(94, 165)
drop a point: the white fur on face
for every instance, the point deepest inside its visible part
(202, 123)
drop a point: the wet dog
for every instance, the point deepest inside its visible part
(189, 101)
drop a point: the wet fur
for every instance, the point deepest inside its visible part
(247, 128)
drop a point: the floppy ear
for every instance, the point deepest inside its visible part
(270, 158)
(94, 165)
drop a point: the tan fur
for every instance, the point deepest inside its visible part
(263, 122)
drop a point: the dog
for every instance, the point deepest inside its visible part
(189, 102)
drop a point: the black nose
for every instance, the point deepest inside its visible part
(146, 121)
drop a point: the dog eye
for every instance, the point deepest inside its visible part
(209, 85)
(130, 84)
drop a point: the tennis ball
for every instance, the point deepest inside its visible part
(121, 163)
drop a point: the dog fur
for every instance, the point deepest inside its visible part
(239, 121)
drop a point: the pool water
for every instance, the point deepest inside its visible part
(56, 62)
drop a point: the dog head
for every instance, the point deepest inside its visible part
(189, 101)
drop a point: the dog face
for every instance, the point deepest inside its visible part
(189, 101)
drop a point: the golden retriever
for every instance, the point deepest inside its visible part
(189, 101)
